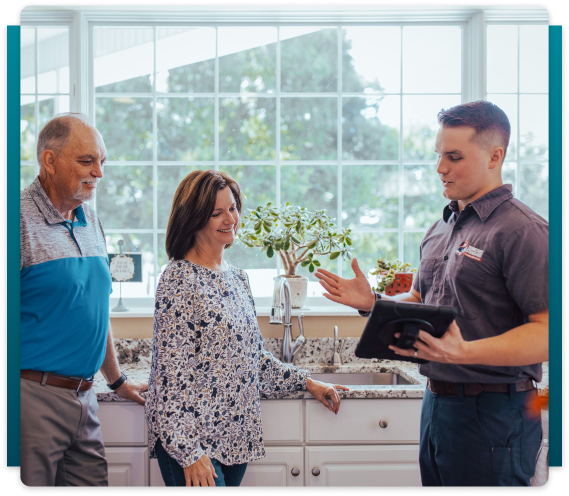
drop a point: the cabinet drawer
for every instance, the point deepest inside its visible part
(359, 420)
(277, 468)
(282, 421)
(122, 423)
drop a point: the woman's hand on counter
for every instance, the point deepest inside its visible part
(200, 473)
(322, 391)
(130, 390)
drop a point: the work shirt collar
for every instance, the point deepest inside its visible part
(47, 208)
(483, 206)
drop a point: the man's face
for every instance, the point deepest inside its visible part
(80, 164)
(463, 164)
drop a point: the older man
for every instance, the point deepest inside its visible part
(65, 332)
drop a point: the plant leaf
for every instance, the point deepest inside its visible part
(270, 252)
(311, 268)
(334, 255)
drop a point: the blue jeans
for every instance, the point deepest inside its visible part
(484, 440)
(173, 473)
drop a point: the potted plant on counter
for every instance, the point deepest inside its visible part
(393, 277)
(299, 236)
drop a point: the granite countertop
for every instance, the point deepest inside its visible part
(134, 355)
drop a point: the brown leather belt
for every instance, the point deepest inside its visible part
(57, 380)
(474, 389)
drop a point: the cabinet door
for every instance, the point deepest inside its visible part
(363, 466)
(156, 479)
(127, 466)
(282, 421)
(122, 423)
(276, 469)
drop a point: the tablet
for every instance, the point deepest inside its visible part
(388, 317)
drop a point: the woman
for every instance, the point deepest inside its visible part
(208, 363)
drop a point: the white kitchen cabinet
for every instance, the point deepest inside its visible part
(362, 465)
(282, 421)
(278, 468)
(127, 466)
(122, 423)
(156, 479)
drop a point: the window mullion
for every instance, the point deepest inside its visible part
(278, 132)
(400, 212)
(216, 102)
(339, 143)
(154, 167)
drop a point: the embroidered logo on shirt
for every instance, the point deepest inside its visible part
(469, 251)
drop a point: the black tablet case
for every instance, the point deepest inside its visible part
(378, 332)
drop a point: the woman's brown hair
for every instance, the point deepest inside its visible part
(192, 207)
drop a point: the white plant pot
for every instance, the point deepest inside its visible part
(298, 290)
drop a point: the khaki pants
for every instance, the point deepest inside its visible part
(61, 443)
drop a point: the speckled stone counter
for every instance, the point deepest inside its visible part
(135, 356)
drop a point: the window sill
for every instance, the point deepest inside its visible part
(314, 307)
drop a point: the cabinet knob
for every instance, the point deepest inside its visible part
(295, 472)
(383, 424)
(316, 471)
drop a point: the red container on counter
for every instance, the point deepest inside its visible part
(401, 284)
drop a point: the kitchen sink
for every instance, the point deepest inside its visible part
(362, 379)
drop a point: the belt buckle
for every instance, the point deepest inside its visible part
(80, 384)
(44, 378)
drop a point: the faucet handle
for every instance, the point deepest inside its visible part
(300, 317)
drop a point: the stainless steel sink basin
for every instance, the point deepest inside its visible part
(362, 379)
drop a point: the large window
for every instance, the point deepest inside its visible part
(340, 117)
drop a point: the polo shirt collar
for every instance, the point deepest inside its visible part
(485, 205)
(47, 208)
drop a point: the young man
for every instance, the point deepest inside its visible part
(65, 331)
(487, 257)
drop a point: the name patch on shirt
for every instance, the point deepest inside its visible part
(469, 251)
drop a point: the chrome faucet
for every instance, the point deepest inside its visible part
(337, 360)
(290, 347)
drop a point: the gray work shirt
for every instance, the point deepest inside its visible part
(491, 263)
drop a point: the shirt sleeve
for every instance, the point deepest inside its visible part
(175, 338)
(274, 375)
(525, 267)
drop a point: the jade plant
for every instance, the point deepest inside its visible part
(385, 271)
(297, 234)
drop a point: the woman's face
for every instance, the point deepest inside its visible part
(224, 221)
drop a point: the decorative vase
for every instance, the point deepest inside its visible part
(298, 290)
(402, 283)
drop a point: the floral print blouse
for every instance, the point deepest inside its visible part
(209, 367)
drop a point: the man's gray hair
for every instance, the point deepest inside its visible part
(55, 134)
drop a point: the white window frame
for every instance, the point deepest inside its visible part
(82, 95)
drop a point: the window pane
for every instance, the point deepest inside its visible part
(423, 201)
(126, 126)
(169, 178)
(370, 128)
(509, 172)
(412, 243)
(27, 176)
(370, 196)
(371, 59)
(189, 70)
(257, 183)
(124, 59)
(134, 243)
(309, 59)
(367, 248)
(247, 59)
(509, 104)
(309, 129)
(27, 60)
(420, 124)
(53, 60)
(185, 128)
(27, 129)
(502, 59)
(310, 186)
(247, 129)
(432, 59)
(50, 107)
(244, 257)
(534, 187)
(534, 59)
(534, 126)
(124, 197)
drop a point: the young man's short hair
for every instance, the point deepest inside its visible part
(491, 124)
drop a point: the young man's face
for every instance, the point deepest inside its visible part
(464, 165)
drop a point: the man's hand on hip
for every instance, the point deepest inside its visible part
(130, 390)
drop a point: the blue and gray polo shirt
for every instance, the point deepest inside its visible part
(64, 287)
